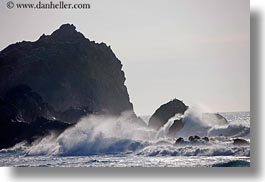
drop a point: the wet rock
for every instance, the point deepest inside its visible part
(240, 141)
(15, 132)
(180, 140)
(206, 139)
(21, 104)
(73, 115)
(165, 112)
(234, 163)
(191, 139)
(25, 117)
(194, 138)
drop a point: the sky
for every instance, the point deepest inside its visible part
(197, 51)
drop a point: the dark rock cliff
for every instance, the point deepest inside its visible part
(68, 71)
(24, 116)
(49, 84)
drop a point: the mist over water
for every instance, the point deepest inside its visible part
(105, 135)
(96, 134)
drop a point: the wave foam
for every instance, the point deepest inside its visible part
(163, 150)
(96, 135)
(195, 124)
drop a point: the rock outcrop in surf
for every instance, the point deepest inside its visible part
(51, 83)
(172, 113)
(240, 141)
(165, 112)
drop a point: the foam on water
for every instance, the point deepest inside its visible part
(109, 135)
(195, 124)
(96, 135)
(195, 150)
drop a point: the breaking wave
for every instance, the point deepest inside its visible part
(103, 135)
(96, 135)
(195, 124)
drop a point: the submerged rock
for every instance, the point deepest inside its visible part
(240, 141)
(235, 163)
(206, 139)
(165, 112)
(195, 138)
(191, 139)
(180, 140)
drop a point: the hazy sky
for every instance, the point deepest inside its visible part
(194, 50)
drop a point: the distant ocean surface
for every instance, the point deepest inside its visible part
(108, 142)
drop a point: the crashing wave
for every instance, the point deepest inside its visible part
(102, 135)
(196, 124)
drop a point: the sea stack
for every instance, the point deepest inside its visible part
(62, 76)
(165, 112)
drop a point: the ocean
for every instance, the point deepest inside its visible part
(116, 142)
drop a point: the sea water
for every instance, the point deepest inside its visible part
(117, 142)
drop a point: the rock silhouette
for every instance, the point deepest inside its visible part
(68, 71)
(49, 84)
(24, 116)
(165, 112)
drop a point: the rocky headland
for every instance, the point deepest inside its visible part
(49, 84)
